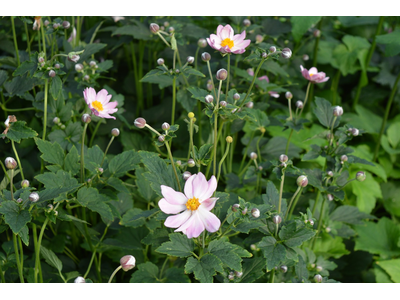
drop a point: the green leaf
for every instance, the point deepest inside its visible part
(367, 193)
(252, 269)
(349, 214)
(51, 258)
(158, 76)
(71, 161)
(179, 246)
(293, 236)
(205, 268)
(13, 216)
(274, 252)
(392, 267)
(327, 246)
(393, 133)
(136, 217)
(19, 131)
(58, 180)
(225, 251)
(300, 25)
(138, 31)
(183, 98)
(117, 184)
(90, 198)
(175, 275)
(198, 93)
(324, 112)
(93, 158)
(156, 238)
(271, 197)
(190, 71)
(91, 49)
(24, 234)
(144, 187)
(3, 77)
(69, 137)
(56, 87)
(392, 42)
(124, 162)
(301, 269)
(52, 153)
(26, 67)
(56, 193)
(20, 84)
(146, 273)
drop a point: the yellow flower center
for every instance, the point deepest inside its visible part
(227, 42)
(193, 204)
(311, 74)
(97, 105)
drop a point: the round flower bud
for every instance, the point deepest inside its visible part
(100, 170)
(318, 278)
(56, 25)
(179, 163)
(286, 53)
(115, 132)
(186, 175)
(338, 111)
(86, 77)
(328, 229)
(306, 57)
(318, 268)
(154, 28)
(355, 132)
(79, 279)
(209, 86)
(73, 57)
(344, 157)
(250, 104)
(317, 33)
(190, 59)
(229, 139)
(34, 197)
(259, 38)
(264, 55)
(92, 64)
(209, 98)
(165, 126)
(277, 219)
(161, 138)
(238, 274)
(231, 276)
(171, 29)
(288, 95)
(283, 158)
(205, 56)
(311, 222)
(42, 65)
(66, 24)
(360, 176)
(330, 197)
(202, 43)
(191, 115)
(253, 247)
(25, 183)
(46, 23)
(255, 212)
(10, 163)
(284, 269)
(302, 181)
(78, 67)
(236, 97)
(62, 126)
(52, 73)
(86, 118)
(244, 211)
(235, 207)
(140, 122)
(41, 60)
(222, 74)
(260, 168)
(160, 61)
(127, 262)
(223, 103)
(272, 49)
(246, 22)
(191, 163)
(57, 66)
(329, 173)
(253, 155)
(20, 200)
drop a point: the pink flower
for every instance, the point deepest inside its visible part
(313, 75)
(100, 104)
(72, 36)
(196, 204)
(225, 42)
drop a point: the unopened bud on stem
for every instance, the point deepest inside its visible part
(86, 118)
(127, 262)
(302, 181)
(140, 122)
(222, 74)
(115, 132)
(10, 163)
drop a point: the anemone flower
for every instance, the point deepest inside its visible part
(100, 103)
(226, 42)
(313, 75)
(191, 209)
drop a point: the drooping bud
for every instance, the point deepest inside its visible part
(79, 279)
(66, 24)
(284, 269)
(329, 173)
(34, 197)
(238, 274)
(338, 111)
(154, 28)
(20, 200)
(202, 43)
(260, 168)
(73, 57)
(140, 122)
(115, 132)
(86, 118)
(255, 212)
(360, 176)
(186, 175)
(286, 53)
(250, 104)
(160, 61)
(235, 207)
(161, 138)
(318, 278)
(205, 56)
(191, 163)
(277, 219)
(317, 33)
(25, 183)
(302, 181)
(272, 49)
(10, 163)
(246, 22)
(52, 73)
(127, 262)
(328, 229)
(283, 158)
(190, 59)
(306, 57)
(78, 67)
(299, 104)
(165, 126)
(223, 103)
(288, 95)
(222, 74)
(178, 163)
(229, 139)
(330, 197)
(209, 98)
(259, 38)
(253, 155)
(236, 96)
(311, 222)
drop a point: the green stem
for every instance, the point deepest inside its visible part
(11, 184)
(17, 109)
(334, 86)
(37, 261)
(3, 280)
(199, 134)
(291, 200)
(22, 254)
(94, 133)
(212, 79)
(245, 168)
(83, 154)
(27, 39)
(227, 78)
(222, 160)
(389, 104)
(294, 204)
(46, 89)
(281, 190)
(94, 253)
(173, 100)
(321, 214)
(305, 98)
(247, 147)
(190, 138)
(195, 58)
(113, 274)
(15, 41)
(21, 276)
(271, 277)
(105, 153)
(43, 38)
(173, 165)
(288, 142)
(216, 129)
(163, 266)
(17, 157)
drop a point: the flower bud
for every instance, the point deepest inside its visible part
(161, 138)
(288, 95)
(344, 157)
(191, 163)
(209, 86)
(56, 25)
(360, 176)
(255, 212)
(329, 173)
(260, 168)
(62, 126)
(318, 278)
(244, 211)
(66, 24)
(317, 33)
(272, 49)
(283, 158)
(92, 64)
(57, 66)
(115, 132)
(318, 268)
(154, 28)
(231, 276)
(171, 29)
(190, 59)
(229, 139)
(355, 132)
(330, 197)
(86, 77)
(246, 22)
(236, 97)
(100, 170)
(238, 274)
(160, 61)
(259, 38)
(306, 57)
(10, 163)
(42, 65)
(178, 163)
(302, 181)
(41, 60)
(284, 269)
(191, 115)
(264, 55)
(140, 122)
(73, 57)
(223, 103)
(46, 23)
(253, 155)
(286, 53)
(78, 67)
(86, 118)
(222, 74)
(328, 229)
(311, 222)
(79, 279)
(127, 262)
(25, 183)
(205, 56)
(253, 247)
(186, 175)
(250, 104)
(52, 73)
(51, 207)
(277, 219)
(338, 111)
(20, 200)
(165, 126)
(202, 43)
(235, 207)
(34, 197)
(209, 98)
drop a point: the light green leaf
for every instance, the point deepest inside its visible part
(301, 269)
(367, 192)
(327, 246)
(300, 25)
(349, 214)
(56, 87)
(52, 153)
(393, 133)
(293, 236)
(392, 267)
(392, 42)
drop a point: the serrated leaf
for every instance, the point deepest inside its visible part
(324, 112)
(179, 246)
(20, 84)
(52, 153)
(391, 41)
(274, 252)
(26, 67)
(301, 269)
(156, 238)
(252, 269)
(51, 258)
(13, 216)
(146, 273)
(136, 217)
(349, 214)
(205, 268)
(71, 161)
(58, 180)
(91, 49)
(54, 193)
(69, 137)
(175, 275)
(19, 131)
(271, 197)
(56, 87)
(392, 267)
(158, 76)
(124, 162)
(293, 236)
(225, 252)
(117, 184)
(90, 198)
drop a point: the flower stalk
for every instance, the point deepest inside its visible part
(216, 129)
(17, 157)
(15, 41)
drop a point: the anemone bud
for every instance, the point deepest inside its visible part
(302, 181)
(86, 118)
(140, 122)
(127, 262)
(115, 132)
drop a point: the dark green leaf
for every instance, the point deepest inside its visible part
(52, 153)
(19, 131)
(300, 25)
(13, 216)
(51, 258)
(91, 49)
(135, 217)
(205, 268)
(324, 112)
(225, 251)
(90, 198)
(349, 214)
(271, 197)
(156, 238)
(71, 161)
(20, 84)
(58, 180)
(26, 67)
(56, 87)
(301, 269)
(392, 42)
(146, 273)
(252, 269)
(293, 236)
(124, 162)
(274, 252)
(175, 275)
(179, 246)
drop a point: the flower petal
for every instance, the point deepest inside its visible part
(200, 186)
(238, 38)
(169, 208)
(102, 96)
(177, 220)
(192, 227)
(226, 32)
(188, 189)
(219, 29)
(209, 203)
(313, 70)
(212, 186)
(110, 105)
(172, 196)
(210, 221)
(301, 68)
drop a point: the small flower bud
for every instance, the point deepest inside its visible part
(272, 49)
(115, 132)
(329, 173)
(360, 176)
(238, 274)
(20, 200)
(41, 60)
(140, 122)
(25, 183)
(86, 78)
(42, 65)
(100, 170)
(205, 56)
(244, 211)
(355, 132)
(236, 97)
(288, 95)
(79, 279)
(86, 118)
(51, 207)
(52, 73)
(250, 104)
(62, 126)
(165, 126)
(330, 197)
(306, 57)
(338, 111)
(255, 212)
(46, 23)
(92, 64)
(209, 98)
(161, 138)
(283, 158)
(264, 55)
(73, 57)
(154, 28)
(344, 157)
(127, 262)
(328, 229)
(318, 278)
(235, 207)
(10, 163)
(317, 33)
(229, 139)
(260, 168)
(34, 197)
(223, 103)
(209, 86)
(253, 155)
(191, 115)
(259, 38)
(253, 247)
(56, 25)
(222, 74)
(202, 43)
(190, 59)
(311, 222)
(57, 66)
(78, 67)
(246, 22)
(231, 276)
(160, 61)
(286, 53)
(318, 268)
(302, 181)
(284, 269)
(186, 175)
(191, 163)
(66, 24)
(277, 219)
(178, 163)
(171, 29)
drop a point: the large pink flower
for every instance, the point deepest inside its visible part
(100, 103)
(196, 204)
(225, 42)
(313, 75)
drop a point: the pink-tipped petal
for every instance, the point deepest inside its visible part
(104, 115)
(242, 44)
(177, 220)
(172, 196)
(324, 80)
(102, 96)
(238, 38)
(210, 221)
(209, 203)
(200, 186)
(169, 208)
(189, 186)
(219, 29)
(192, 227)
(226, 33)
(110, 105)
(212, 186)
